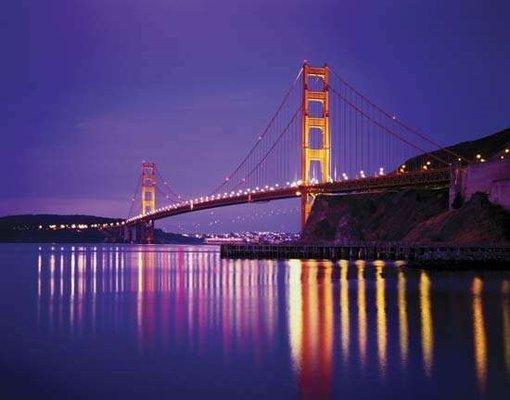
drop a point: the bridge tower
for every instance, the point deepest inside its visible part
(148, 187)
(148, 195)
(315, 134)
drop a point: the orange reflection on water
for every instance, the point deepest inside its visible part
(381, 318)
(427, 329)
(344, 310)
(295, 312)
(362, 314)
(310, 322)
(403, 329)
(479, 335)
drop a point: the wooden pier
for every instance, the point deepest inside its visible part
(432, 256)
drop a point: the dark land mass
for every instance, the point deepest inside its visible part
(489, 147)
(25, 228)
(477, 221)
(385, 216)
(414, 216)
(417, 216)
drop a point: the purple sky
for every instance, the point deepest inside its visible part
(90, 88)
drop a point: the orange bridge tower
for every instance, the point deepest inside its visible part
(145, 232)
(148, 187)
(315, 134)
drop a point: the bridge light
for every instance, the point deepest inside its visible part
(425, 167)
(298, 193)
(428, 162)
(507, 151)
(478, 156)
(482, 160)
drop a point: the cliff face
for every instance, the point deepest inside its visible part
(417, 216)
(387, 216)
(477, 221)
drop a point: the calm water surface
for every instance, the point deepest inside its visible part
(133, 322)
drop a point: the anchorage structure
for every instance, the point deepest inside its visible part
(314, 152)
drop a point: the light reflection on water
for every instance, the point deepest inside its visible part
(327, 329)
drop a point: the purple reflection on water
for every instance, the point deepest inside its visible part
(160, 321)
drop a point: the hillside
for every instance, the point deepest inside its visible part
(489, 147)
(477, 221)
(386, 216)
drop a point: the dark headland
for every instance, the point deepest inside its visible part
(35, 228)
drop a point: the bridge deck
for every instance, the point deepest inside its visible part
(439, 177)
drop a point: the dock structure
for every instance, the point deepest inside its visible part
(440, 255)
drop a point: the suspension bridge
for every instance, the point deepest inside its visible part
(324, 137)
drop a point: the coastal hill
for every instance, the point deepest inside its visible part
(33, 228)
(414, 216)
(488, 147)
(417, 216)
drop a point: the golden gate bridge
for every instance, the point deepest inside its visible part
(324, 137)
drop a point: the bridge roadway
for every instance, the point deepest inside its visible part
(437, 177)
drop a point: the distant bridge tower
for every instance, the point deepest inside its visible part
(148, 187)
(315, 148)
(144, 232)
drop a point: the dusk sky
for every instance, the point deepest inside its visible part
(90, 88)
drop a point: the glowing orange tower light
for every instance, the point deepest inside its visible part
(319, 151)
(148, 187)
